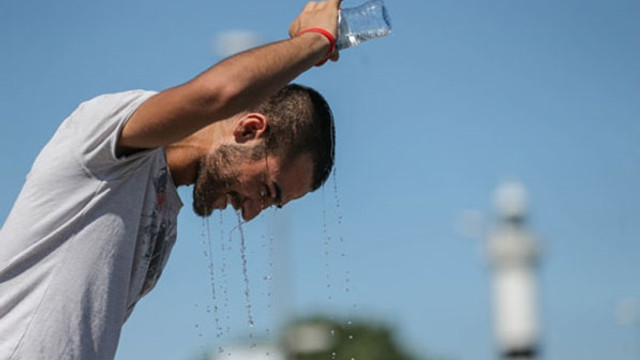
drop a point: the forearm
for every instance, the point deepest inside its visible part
(229, 87)
(233, 85)
(239, 82)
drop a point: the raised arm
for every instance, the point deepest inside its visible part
(233, 85)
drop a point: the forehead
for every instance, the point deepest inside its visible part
(295, 178)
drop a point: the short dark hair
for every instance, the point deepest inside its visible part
(301, 122)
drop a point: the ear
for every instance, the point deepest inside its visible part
(250, 127)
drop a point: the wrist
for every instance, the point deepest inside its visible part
(327, 35)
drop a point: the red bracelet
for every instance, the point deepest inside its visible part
(329, 37)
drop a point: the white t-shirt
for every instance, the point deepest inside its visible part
(87, 237)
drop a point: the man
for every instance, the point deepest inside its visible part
(94, 224)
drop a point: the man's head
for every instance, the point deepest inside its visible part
(282, 149)
(300, 122)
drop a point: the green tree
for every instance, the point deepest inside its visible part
(357, 340)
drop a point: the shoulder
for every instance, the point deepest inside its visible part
(118, 99)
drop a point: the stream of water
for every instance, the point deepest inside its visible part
(334, 253)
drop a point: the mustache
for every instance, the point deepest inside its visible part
(215, 178)
(209, 189)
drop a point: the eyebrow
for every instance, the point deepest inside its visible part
(278, 199)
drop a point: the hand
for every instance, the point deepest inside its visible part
(322, 14)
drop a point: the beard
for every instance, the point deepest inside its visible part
(215, 178)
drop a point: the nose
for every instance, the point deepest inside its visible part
(251, 209)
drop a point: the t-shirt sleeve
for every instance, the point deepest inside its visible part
(97, 125)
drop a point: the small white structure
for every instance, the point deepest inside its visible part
(514, 254)
(308, 339)
(232, 42)
(249, 352)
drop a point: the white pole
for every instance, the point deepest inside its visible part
(514, 253)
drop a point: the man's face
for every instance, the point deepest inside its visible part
(229, 175)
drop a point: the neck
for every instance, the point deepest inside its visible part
(183, 164)
(184, 156)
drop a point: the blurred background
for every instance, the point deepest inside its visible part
(390, 256)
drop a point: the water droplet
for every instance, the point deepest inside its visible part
(245, 273)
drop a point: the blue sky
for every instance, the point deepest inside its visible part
(462, 96)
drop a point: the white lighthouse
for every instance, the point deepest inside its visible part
(514, 254)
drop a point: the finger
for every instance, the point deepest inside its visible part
(310, 6)
(335, 56)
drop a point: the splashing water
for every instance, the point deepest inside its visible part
(212, 277)
(343, 255)
(245, 273)
(327, 257)
(223, 271)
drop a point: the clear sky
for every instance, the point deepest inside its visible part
(463, 95)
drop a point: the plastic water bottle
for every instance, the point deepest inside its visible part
(365, 22)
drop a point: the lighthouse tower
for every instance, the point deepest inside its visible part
(514, 253)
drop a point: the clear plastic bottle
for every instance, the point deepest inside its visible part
(365, 22)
